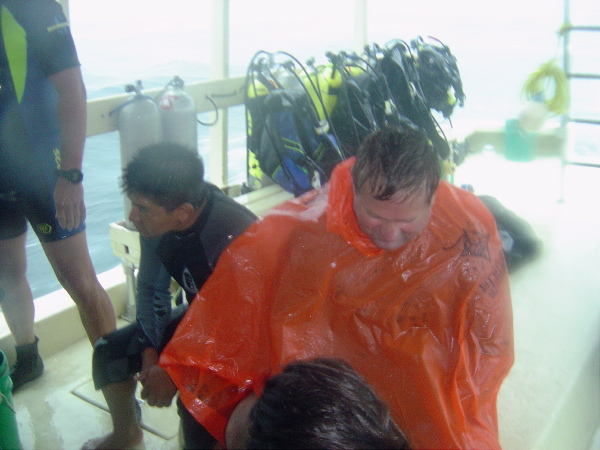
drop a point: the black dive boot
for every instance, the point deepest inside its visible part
(29, 365)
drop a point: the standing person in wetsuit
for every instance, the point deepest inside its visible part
(42, 137)
(191, 222)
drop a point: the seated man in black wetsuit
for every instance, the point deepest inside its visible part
(195, 222)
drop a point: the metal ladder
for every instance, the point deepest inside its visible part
(566, 118)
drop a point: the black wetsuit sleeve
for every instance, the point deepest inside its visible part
(48, 34)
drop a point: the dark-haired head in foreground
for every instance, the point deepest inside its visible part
(321, 403)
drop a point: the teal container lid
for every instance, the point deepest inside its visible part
(519, 144)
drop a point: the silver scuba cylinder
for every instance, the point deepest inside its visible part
(178, 115)
(139, 125)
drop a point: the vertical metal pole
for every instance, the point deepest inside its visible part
(130, 287)
(360, 25)
(219, 69)
(65, 7)
(565, 118)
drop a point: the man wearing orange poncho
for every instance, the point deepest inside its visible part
(399, 273)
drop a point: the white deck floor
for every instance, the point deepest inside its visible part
(551, 398)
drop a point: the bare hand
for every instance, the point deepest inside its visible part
(70, 208)
(149, 358)
(158, 389)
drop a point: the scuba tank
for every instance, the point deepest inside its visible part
(139, 125)
(178, 115)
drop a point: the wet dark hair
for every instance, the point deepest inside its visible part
(169, 174)
(393, 160)
(321, 403)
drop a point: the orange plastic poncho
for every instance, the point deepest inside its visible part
(429, 325)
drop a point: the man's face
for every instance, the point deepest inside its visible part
(390, 224)
(149, 218)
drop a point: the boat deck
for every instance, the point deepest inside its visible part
(551, 396)
(61, 409)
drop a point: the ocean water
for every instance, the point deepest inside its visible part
(497, 46)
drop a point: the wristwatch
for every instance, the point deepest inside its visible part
(74, 176)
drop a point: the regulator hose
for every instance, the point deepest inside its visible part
(539, 81)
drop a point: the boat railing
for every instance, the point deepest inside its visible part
(220, 93)
(57, 308)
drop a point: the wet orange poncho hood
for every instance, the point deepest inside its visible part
(429, 325)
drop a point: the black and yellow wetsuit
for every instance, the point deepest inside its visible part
(35, 43)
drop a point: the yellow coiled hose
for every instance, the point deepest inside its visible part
(540, 81)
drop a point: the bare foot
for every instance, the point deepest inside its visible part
(111, 441)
